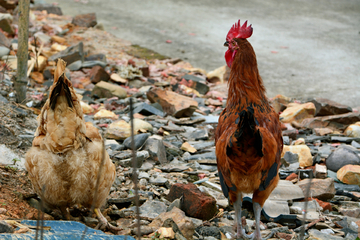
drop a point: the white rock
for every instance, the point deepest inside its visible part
(8, 157)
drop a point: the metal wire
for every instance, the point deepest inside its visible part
(135, 173)
(307, 193)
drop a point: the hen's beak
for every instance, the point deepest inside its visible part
(226, 44)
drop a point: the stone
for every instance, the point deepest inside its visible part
(151, 209)
(166, 233)
(49, 8)
(172, 103)
(4, 41)
(346, 118)
(103, 113)
(297, 112)
(4, 51)
(304, 153)
(325, 107)
(280, 102)
(313, 209)
(41, 63)
(85, 20)
(107, 90)
(325, 205)
(96, 57)
(343, 155)
(90, 64)
(37, 77)
(195, 203)
(207, 231)
(142, 125)
(159, 181)
(70, 54)
(139, 140)
(349, 174)
(322, 189)
(350, 212)
(3, 100)
(316, 234)
(353, 130)
(187, 147)
(5, 25)
(8, 157)
(5, 228)
(118, 130)
(156, 149)
(140, 157)
(207, 155)
(196, 134)
(116, 78)
(195, 82)
(320, 171)
(346, 187)
(217, 75)
(323, 131)
(86, 108)
(98, 74)
(74, 66)
(146, 109)
(186, 225)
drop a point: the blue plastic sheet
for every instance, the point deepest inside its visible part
(60, 230)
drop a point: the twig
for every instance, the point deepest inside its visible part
(40, 218)
(135, 174)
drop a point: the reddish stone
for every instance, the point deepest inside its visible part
(291, 177)
(98, 74)
(195, 203)
(324, 205)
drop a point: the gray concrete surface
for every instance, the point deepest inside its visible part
(317, 42)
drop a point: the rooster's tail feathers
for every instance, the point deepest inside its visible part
(55, 93)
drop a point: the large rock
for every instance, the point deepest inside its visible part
(217, 75)
(322, 189)
(349, 174)
(353, 130)
(325, 107)
(107, 90)
(304, 153)
(4, 41)
(186, 225)
(172, 103)
(70, 54)
(195, 203)
(343, 155)
(297, 112)
(85, 20)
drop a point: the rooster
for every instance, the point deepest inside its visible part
(248, 136)
(66, 154)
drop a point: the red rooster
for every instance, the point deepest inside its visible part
(248, 137)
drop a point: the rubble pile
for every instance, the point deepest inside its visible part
(176, 110)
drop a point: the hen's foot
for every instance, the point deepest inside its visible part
(103, 222)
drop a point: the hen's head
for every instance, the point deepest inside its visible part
(236, 31)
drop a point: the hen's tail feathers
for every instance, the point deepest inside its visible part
(59, 87)
(247, 136)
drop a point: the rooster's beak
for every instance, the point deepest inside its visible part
(226, 44)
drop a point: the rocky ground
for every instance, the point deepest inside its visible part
(176, 110)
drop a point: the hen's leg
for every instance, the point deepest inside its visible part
(103, 222)
(240, 233)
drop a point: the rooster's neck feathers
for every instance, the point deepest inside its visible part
(245, 80)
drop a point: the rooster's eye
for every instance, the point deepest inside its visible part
(226, 44)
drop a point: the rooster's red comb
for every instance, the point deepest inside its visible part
(238, 31)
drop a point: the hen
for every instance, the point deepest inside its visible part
(64, 160)
(248, 136)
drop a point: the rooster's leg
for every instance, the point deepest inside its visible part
(257, 211)
(103, 222)
(240, 230)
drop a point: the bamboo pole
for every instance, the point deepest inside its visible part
(22, 53)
